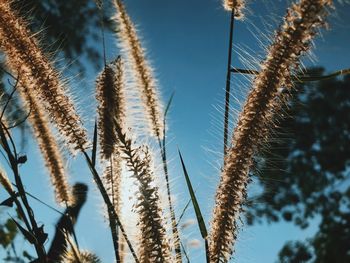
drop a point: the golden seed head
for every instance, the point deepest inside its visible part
(111, 99)
(112, 179)
(79, 257)
(153, 245)
(143, 74)
(256, 119)
(48, 146)
(37, 73)
(5, 182)
(236, 5)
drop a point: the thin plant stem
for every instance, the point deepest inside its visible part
(103, 34)
(185, 253)
(112, 214)
(9, 99)
(113, 218)
(207, 255)
(162, 146)
(297, 78)
(36, 231)
(228, 82)
(113, 203)
(183, 212)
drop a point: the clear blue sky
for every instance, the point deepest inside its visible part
(187, 43)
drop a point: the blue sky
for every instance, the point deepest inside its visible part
(186, 42)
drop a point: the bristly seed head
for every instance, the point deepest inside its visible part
(257, 119)
(48, 146)
(112, 179)
(236, 5)
(5, 182)
(154, 246)
(142, 71)
(36, 72)
(111, 98)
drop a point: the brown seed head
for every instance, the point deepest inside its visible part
(236, 5)
(153, 245)
(142, 71)
(256, 119)
(5, 182)
(48, 146)
(111, 98)
(36, 72)
(112, 180)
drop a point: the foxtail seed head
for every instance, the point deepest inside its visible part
(111, 98)
(153, 246)
(112, 179)
(253, 128)
(76, 256)
(5, 182)
(36, 72)
(146, 82)
(236, 5)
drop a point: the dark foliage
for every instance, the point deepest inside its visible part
(305, 170)
(60, 21)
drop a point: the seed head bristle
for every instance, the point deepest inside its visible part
(36, 72)
(236, 5)
(48, 146)
(254, 124)
(111, 98)
(142, 71)
(5, 182)
(153, 244)
(112, 180)
(79, 257)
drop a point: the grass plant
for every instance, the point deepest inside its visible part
(45, 96)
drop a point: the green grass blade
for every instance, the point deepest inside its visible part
(197, 210)
(168, 105)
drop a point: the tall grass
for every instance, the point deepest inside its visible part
(46, 97)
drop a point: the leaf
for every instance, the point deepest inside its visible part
(197, 209)
(42, 236)
(94, 146)
(22, 159)
(9, 201)
(27, 255)
(25, 233)
(168, 105)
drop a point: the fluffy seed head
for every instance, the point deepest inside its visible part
(112, 179)
(236, 5)
(48, 147)
(36, 72)
(5, 182)
(253, 128)
(111, 98)
(143, 74)
(79, 257)
(153, 245)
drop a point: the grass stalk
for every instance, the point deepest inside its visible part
(263, 103)
(154, 246)
(300, 77)
(36, 231)
(228, 82)
(162, 147)
(114, 219)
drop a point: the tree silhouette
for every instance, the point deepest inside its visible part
(304, 171)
